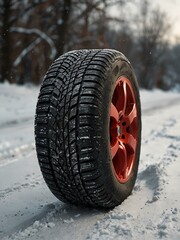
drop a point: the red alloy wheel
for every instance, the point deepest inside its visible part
(123, 129)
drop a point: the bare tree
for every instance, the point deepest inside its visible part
(152, 27)
(11, 13)
(62, 14)
(171, 79)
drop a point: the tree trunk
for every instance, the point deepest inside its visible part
(5, 46)
(62, 27)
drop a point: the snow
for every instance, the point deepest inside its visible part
(29, 211)
(17, 106)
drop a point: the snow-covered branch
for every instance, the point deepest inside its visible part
(40, 34)
(26, 51)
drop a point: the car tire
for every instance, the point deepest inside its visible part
(88, 128)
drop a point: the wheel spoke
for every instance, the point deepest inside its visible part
(132, 142)
(114, 149)
(123, 159)
(125, 173)
(122, 112)
(114, 112)
(131, 116)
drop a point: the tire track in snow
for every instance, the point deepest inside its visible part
(60, 219)
(30, 181)
(154, 175)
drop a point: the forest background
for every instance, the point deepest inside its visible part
(34, 33)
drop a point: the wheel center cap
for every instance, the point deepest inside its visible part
(118, 131)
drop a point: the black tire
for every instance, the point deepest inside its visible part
(72, 127)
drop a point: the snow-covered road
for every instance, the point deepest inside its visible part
(29, 211)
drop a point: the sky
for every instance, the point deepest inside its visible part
(172, 9)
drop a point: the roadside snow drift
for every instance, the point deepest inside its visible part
(28, 210)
